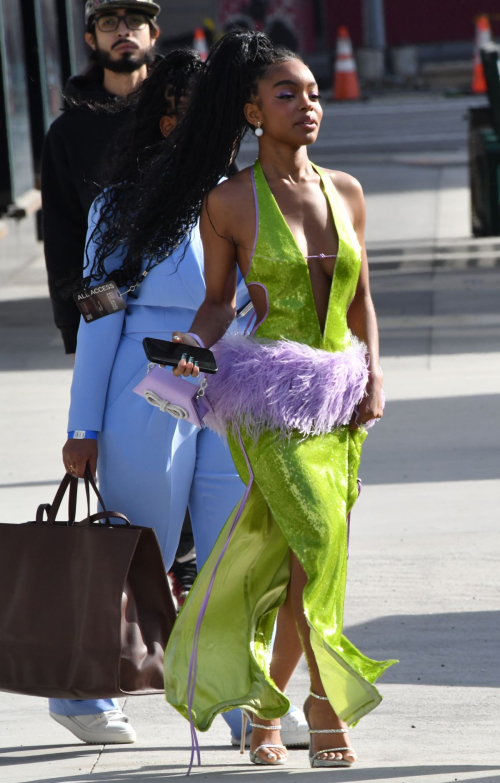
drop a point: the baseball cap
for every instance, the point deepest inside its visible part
(93, 7)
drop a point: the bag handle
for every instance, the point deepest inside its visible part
(72, 482)
(90, 480)
(52, 509)
(107, 515)
(42, 509)
(104, 514)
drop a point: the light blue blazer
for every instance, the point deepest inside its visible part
(143, 453)
(151, 467)
(167, 300)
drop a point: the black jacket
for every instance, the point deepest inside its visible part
(72, 160)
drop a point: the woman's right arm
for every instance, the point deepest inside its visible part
(221, 277)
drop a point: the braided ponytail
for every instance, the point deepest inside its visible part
(139, 142)
(156, 215)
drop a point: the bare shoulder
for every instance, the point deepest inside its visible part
(351, 191)
(346, 184)
(229, 194)
(231, 202)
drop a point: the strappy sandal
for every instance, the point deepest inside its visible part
(314, 758)
(279, 762)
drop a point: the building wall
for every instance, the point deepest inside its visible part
(426, 21)
(179, 19)
(433, 21)
(342, 13)
(296, 14)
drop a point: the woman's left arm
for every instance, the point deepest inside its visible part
(361, 317)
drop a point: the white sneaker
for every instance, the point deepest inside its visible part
(99, 729)
(294, 731)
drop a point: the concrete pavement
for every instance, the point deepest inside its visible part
(423, 569)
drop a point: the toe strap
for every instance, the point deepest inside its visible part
(330, 750)
(268, 745)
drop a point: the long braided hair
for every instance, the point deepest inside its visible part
(139, 142)
(157, 214)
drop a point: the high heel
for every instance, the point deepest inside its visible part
(314, 759)
(245, 718)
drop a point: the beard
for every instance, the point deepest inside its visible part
(127, 63)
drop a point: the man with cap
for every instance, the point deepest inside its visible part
(122, 35)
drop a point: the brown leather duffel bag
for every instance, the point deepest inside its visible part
(85, 607)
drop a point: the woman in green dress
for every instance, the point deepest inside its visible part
(292, 398)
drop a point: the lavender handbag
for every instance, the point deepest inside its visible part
(174, 395)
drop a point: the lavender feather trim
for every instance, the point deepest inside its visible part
(284, 386)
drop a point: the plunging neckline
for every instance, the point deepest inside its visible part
(322, 331)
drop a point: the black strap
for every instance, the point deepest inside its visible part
(68, 481)
(73, 492)
(107, 515)
(89, 479)
(43, 508)
(51, 510)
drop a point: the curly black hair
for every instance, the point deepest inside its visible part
(139, 142)
(161, 93)
(154, 217)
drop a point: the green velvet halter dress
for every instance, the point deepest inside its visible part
(299, 493)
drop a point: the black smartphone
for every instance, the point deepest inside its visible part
(165, 352)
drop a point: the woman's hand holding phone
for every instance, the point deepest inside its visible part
(186, 367)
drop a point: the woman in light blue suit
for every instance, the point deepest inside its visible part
(151, 466)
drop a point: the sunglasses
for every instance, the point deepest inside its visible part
(109, 23)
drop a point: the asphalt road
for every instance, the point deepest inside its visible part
(387, 127)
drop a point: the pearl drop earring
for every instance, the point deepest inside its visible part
(258, 130)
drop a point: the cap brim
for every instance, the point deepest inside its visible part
(151, 9)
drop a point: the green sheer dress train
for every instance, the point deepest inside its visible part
(299, 493)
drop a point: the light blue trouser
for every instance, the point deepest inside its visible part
(151, 468)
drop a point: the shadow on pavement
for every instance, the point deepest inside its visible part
(148, 774)
(30, 341)
(439, 439)
(453, 649)
(437, 311)
(17, 484)
(69, 751)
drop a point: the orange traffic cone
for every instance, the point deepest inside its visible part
(345, 85)
(483, 37)
(200, 43)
